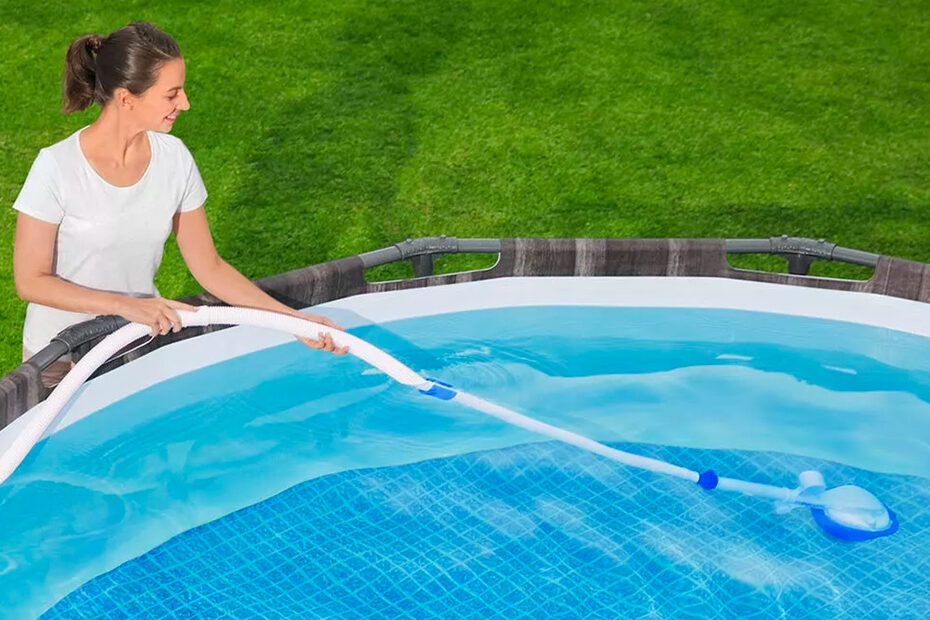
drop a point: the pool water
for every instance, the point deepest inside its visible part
(536, 530)
(287, 482)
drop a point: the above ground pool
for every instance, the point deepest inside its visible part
(238, 474)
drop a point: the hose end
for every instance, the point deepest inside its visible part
(438, 389)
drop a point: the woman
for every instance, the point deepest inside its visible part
(97, 207)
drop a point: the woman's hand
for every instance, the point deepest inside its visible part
(325, 341)
(156, 312)
(160, 314)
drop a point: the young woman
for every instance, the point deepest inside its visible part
(97, 207)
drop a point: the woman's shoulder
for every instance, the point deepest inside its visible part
(47, 184)
(64, 152)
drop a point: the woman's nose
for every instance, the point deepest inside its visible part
(185, 102)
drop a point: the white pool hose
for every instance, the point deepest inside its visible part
(847, 512)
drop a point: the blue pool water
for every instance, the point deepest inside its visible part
(287, 482)
(540, 530)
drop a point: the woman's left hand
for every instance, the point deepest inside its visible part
(325, 341)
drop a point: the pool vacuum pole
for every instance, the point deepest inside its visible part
(847, 512)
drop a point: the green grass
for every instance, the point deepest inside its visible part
(325, 129)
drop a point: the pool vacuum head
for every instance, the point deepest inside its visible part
(846, 512)
(852, 513)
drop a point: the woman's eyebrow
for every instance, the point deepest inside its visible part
(174, 88)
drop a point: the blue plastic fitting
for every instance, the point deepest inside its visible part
(439, 389)
(708, 480)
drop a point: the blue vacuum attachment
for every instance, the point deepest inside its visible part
(852, 513)
(846, 512)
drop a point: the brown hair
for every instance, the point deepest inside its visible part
(127, 58)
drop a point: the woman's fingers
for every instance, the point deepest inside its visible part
(167, 319)
(331, 347)
(324, 343)
(164, 322)
(313, 344)
(175, 319)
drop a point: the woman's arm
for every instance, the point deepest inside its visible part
(219, 278)
(33, 256)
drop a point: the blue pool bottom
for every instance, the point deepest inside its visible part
(538, 530)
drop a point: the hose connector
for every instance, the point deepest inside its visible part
(708, 480)
(438, 389)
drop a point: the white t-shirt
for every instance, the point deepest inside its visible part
(109, 238)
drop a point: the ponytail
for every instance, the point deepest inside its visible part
(79, 88)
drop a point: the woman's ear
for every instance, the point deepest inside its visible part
(123, 98)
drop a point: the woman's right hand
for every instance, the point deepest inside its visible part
(156, 312)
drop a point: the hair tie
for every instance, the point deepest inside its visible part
(94, 42)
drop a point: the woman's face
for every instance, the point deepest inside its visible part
(159, 106)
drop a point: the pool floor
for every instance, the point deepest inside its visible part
(540, 530)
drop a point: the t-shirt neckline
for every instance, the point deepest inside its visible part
(148, 135)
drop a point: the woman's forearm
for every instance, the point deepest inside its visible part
(49, 290)
(230, 286)
(224, 282)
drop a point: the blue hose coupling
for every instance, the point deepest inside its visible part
(439, 389)
(708, 479)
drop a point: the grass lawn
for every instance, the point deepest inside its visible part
(324, 129)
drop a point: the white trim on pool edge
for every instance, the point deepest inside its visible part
(664, 292)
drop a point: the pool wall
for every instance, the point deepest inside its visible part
(21, 389)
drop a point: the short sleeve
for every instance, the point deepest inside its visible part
(39, 195)
(195, 192)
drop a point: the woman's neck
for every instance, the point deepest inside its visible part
(112, 140)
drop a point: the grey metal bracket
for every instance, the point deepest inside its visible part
(422, 252)
(801, 252)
